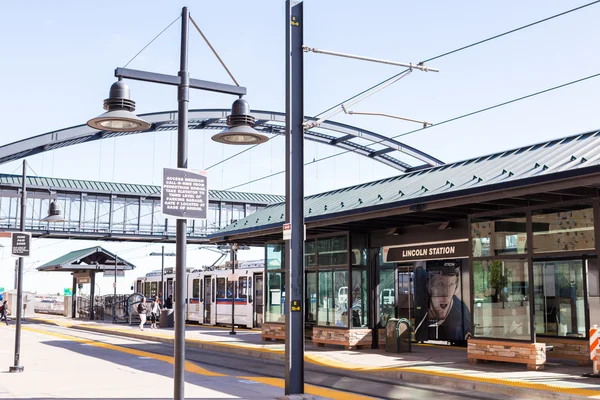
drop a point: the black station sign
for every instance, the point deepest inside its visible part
(21, 244)
(184, 193)
(431, 251)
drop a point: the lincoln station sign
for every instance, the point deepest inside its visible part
(430, 251)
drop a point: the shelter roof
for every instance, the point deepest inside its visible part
(93, 258)
(570, 157)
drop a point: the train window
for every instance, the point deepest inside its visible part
(201, 293)
(231, 289)
(196, 288)
(242, 287)
(221, 288)
(153, 287)
(146, 289)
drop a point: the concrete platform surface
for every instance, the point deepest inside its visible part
(438, 365)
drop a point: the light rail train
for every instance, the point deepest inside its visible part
(210, 292)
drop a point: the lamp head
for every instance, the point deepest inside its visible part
(54, 213)
(234, 247)
(240, 126)
(119, 116)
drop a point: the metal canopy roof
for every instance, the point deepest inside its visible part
(343, 136)
(553, 171)
(78, 185)
(93, 258)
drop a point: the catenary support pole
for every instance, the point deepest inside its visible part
(181, 239)
(233, 254)
(294, 255)
(114, 302)
(17, 367)
(162, 278)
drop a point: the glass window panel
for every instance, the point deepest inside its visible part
(387, 297)
(502, 306)
(147, 289)
(275, 256)
(340, 290)
(310, 259)
(153, 288)
(238, 212)
(359, 250)
(220, 288)
(311, 297)
(231, 289)
(559, 298)
(196, 288)
(275, 304)
(243, 287)
(594, 295)
(226, 214)
(332, 251)
(563, 231)
(499, 236)
(325, 301)
(359, 298)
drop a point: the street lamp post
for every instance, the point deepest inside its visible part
(120, 118)
(53, 216)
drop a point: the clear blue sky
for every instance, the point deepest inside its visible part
(58, 60)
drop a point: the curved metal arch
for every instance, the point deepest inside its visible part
(269, 122)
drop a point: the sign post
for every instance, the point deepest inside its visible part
(594, 348)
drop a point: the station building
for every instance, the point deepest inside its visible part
(494, 250)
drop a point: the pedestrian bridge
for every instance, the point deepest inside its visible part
(96, 210)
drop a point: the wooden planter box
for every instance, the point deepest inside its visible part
(532, 354)
(349, 338)
(272, 332)
(569, 349)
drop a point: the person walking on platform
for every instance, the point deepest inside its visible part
(4, 312)
(142, 311)
(154, 311)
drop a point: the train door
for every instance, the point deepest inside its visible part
(258, 300)
(139, 286)
(169, 290)
(209, 300)
(194, 301)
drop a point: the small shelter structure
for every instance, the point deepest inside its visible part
(83, 265)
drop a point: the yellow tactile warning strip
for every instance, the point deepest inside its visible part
(196, 369)
(190, 367)
(317, 391)
(328, 362)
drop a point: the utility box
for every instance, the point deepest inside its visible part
(397, 336)
(167, 318)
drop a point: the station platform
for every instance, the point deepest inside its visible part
(429, 364)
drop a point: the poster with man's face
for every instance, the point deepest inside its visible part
(447, 316)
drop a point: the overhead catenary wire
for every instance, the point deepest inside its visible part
(433, 125)
(394, 77)
(149, 43)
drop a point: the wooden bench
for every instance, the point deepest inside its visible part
(532, 354)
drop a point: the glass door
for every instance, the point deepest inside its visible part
(258, 299)
(406, 301)
(311, 298)
(559, 298)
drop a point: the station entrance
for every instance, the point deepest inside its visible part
(432, 294)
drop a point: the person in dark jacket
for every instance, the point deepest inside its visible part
(4, 312)
(169, 302)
